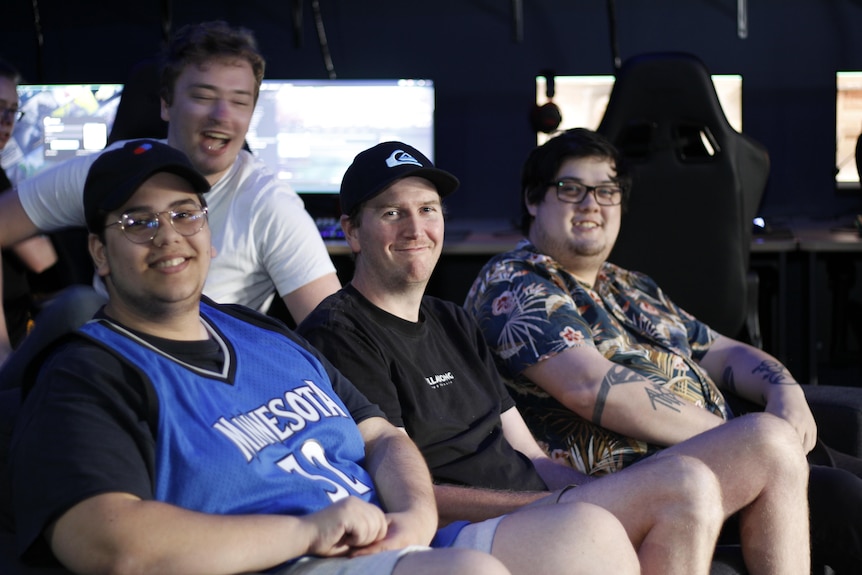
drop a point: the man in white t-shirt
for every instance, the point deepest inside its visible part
(265, 241)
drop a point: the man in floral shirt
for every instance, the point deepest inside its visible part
(605, 368)
(625, 317)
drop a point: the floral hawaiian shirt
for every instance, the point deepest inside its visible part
(530, 308)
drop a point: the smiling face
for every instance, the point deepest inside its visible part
(399, 238)
(579, 236)
(8, 100)
(210, 113)
(161, 277)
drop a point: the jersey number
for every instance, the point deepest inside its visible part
(315, 457)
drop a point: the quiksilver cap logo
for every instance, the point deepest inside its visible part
(401, 158)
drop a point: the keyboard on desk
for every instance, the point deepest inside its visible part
(329, 228)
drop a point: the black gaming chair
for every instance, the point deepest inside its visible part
(697, 184)
(139, 110)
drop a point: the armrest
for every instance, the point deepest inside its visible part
(838, 412)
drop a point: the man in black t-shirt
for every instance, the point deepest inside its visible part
(425, 363)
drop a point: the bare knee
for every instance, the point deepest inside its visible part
(607, 547)
(570, 538)
(694, 492)
(775, 447)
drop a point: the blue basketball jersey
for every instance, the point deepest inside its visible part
(267, 434)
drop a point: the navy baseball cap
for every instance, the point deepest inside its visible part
(375, 168)
(117, 174)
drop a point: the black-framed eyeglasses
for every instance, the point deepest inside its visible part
(11, 114)
(140, 226)
(574, 192)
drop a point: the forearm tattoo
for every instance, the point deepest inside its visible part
(615, 376)
(661, 397)
(773, 373)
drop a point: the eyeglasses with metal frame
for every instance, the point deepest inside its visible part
(11, 114)
(140, 226)
(574, 192)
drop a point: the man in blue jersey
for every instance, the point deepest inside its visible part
(175, 435)
(424, 362)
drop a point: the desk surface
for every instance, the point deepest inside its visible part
(827, 238)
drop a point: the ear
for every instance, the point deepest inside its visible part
(99, 255)
(531, 208)
(165, 110)
(351, 234)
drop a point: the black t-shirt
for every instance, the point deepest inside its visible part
(435, 378)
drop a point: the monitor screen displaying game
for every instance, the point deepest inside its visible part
(60, 121)
(582, 99)
(848, 126)
(309, 131)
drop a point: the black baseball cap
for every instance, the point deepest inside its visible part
(375, 168)
(118, 173)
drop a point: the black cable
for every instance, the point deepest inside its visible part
(167, 20)
(321, 36)
(297, 23)
(40, 43)
(612, 25)
(518, 19)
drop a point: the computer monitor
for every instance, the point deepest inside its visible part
(848, 126)
(309, 131)
(582, 99)
(60, 121)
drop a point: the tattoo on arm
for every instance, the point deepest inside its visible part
(774, 373)
(660, 396)
(615, 376)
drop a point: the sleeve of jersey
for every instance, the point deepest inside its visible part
(360, 360)
(81, 432)
(291, 249)
(525, 316)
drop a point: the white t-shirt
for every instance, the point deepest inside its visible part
(264, 238)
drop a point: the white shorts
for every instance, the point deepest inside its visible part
(477, 536)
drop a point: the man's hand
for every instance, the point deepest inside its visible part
(789, 403)
(755, 375)
(347, 526)
(404, 529)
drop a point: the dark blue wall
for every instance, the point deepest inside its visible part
(485, 79)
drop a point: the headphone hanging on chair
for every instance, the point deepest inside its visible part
(547, 117)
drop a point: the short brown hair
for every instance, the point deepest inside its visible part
(199, 43)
